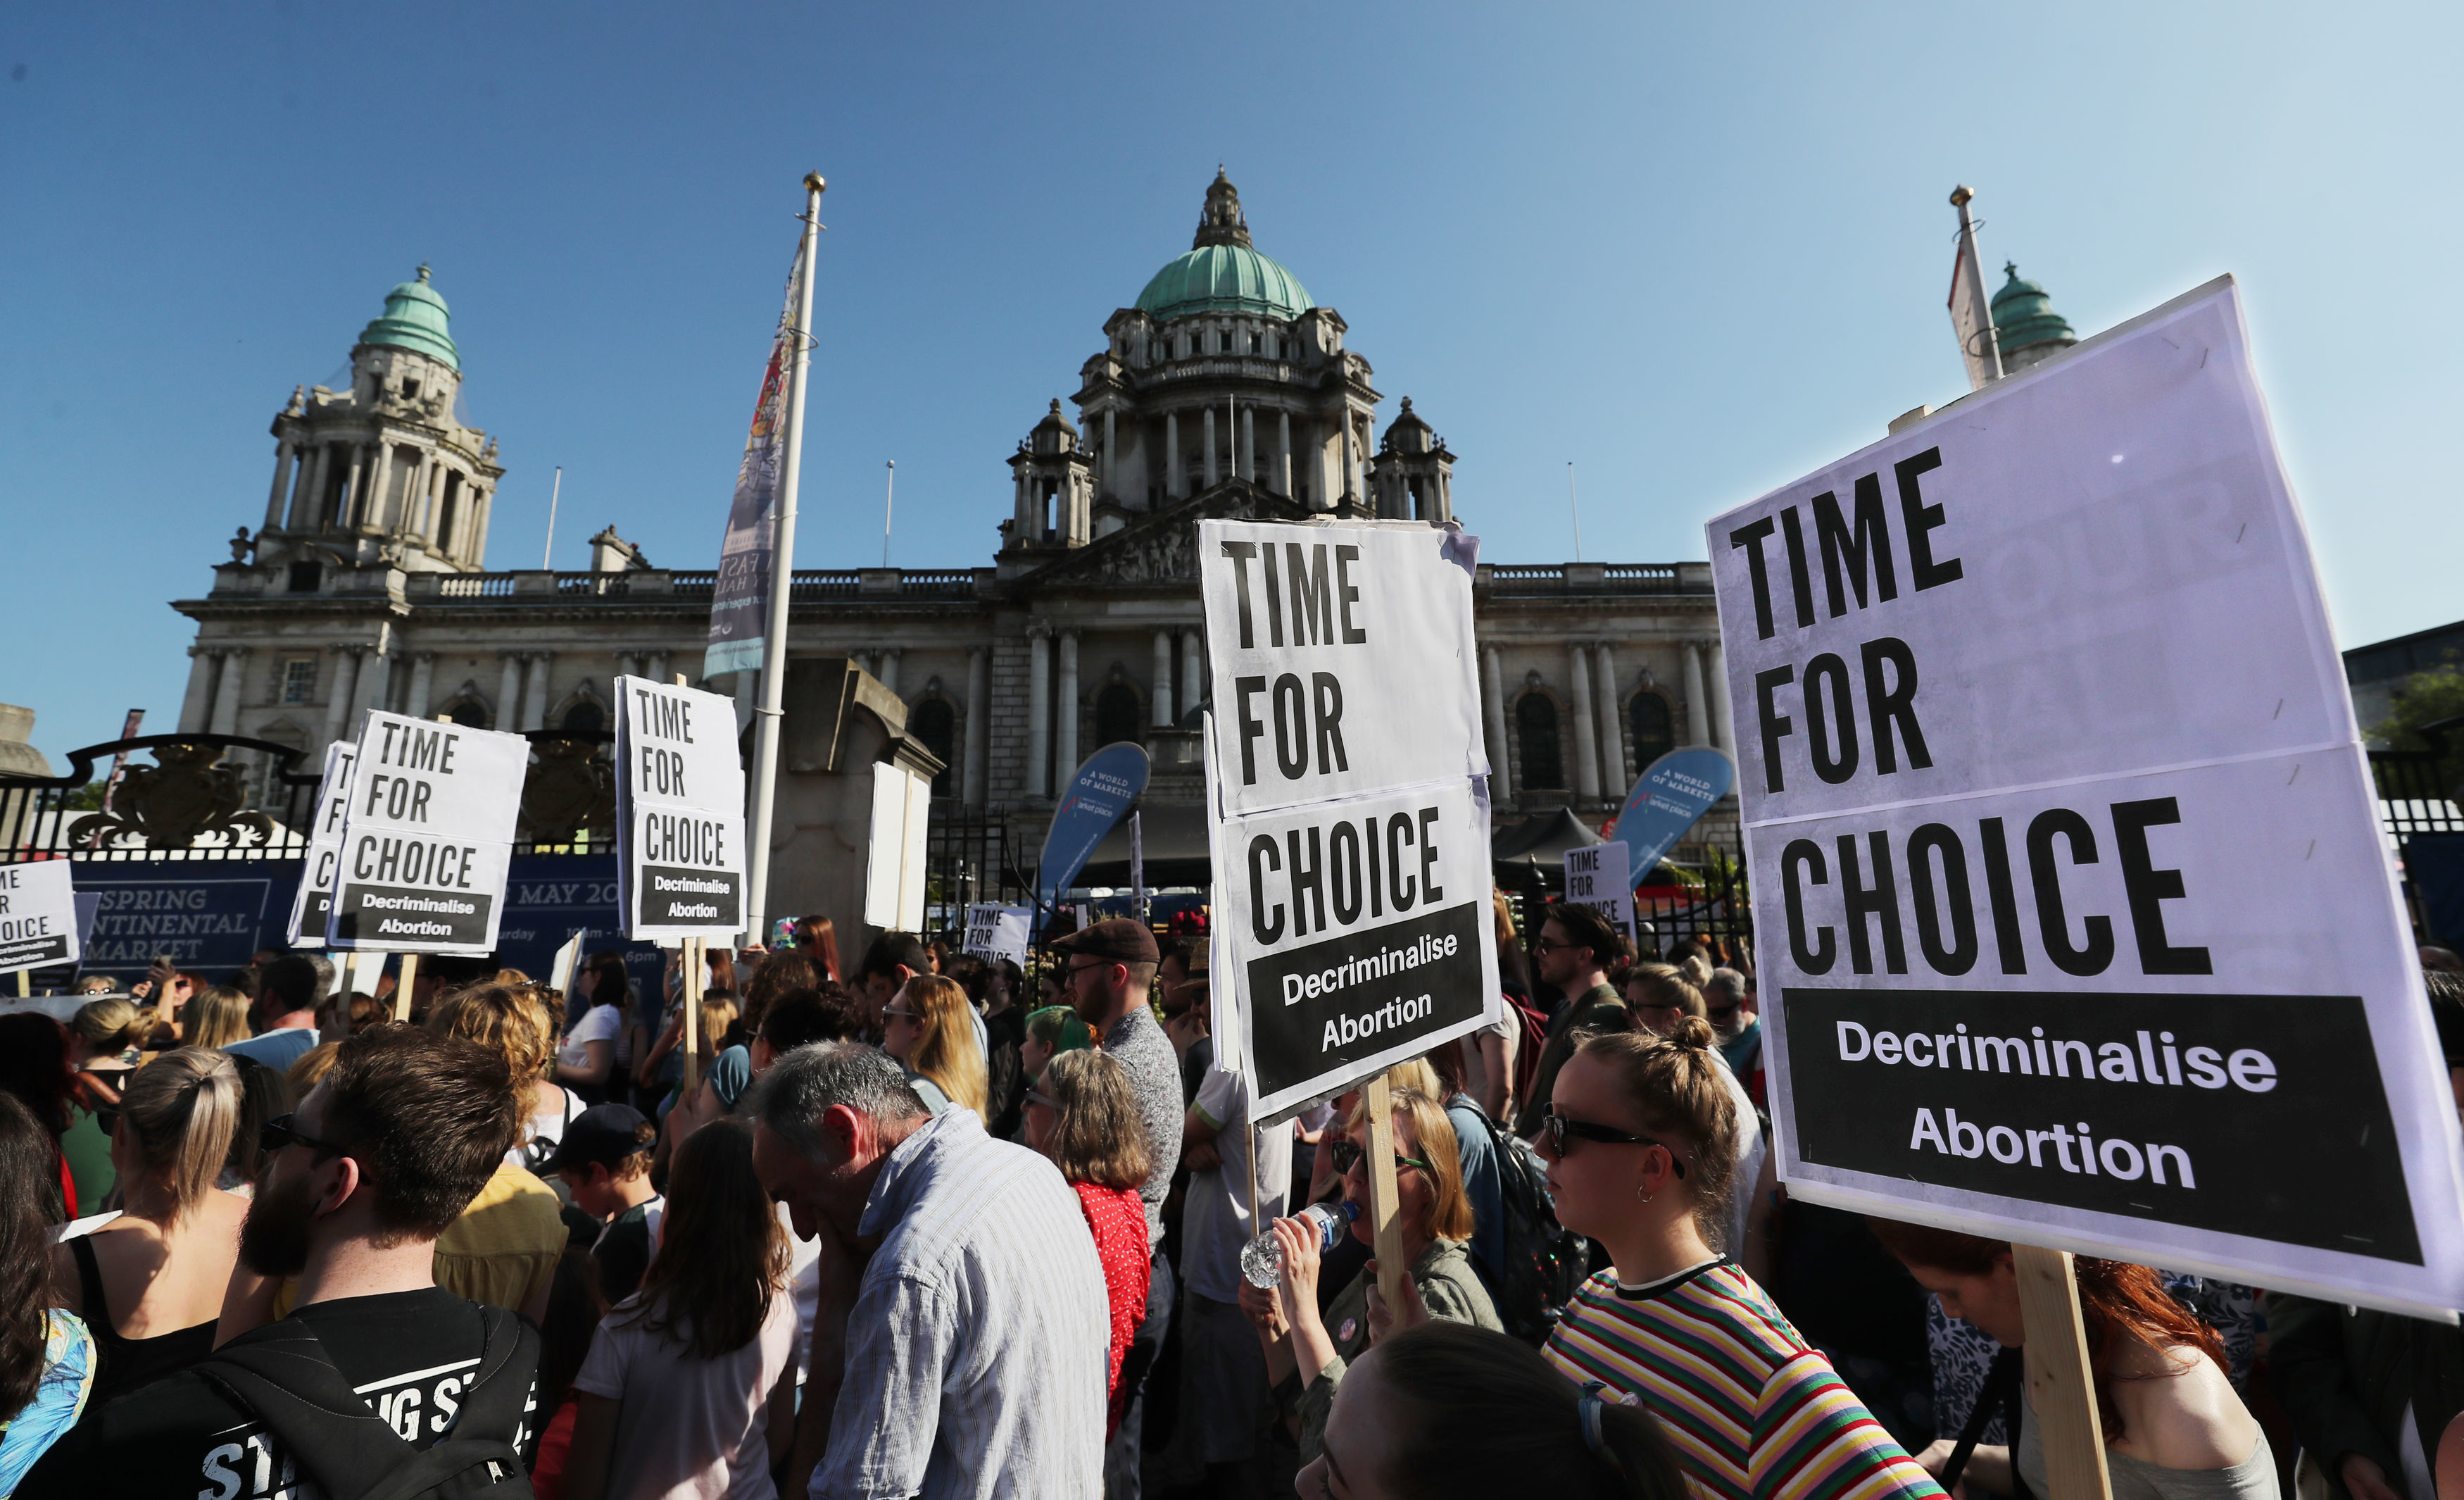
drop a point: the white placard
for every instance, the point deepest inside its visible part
(314, 900)
(360, 972)
(1598, 876)
(39, 926)
(998, 932)
(1349, 813)
(2077, 928)
(894, 874)
(679, 811)
(560, 973)
(428, 835)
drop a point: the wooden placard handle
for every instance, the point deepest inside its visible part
(1387, 1231)
(409, 977)
(2062, 1389)
(694, 976)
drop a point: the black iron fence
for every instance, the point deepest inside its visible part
(969, 858)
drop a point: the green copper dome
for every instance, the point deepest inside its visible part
(1223, 271)
(415, 318)
(2024, 315)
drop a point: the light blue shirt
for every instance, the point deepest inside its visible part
(277, 1050)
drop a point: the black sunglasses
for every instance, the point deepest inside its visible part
(1559, 1128)
(1346, 1155)
(278, 1132)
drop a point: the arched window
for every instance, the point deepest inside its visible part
(1117, 714)
(468, 714)
(1654, 729)
(584, 717)
(1535, 725)
(937, 724)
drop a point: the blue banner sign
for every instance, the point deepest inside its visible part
(1098, 797)
(1668, 798)
(208, 916)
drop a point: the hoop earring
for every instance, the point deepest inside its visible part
(1639, 1192)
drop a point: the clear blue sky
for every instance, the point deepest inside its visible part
(1698, 250)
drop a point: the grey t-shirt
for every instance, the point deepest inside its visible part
(1139, 1046)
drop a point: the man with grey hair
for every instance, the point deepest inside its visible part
(977, 1345)
(1727, 998)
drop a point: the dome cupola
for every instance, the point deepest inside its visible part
(415, 318)
(2025, 323)
(1223, 271)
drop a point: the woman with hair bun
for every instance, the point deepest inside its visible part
(1448, 1411)
(150, 1283)
(1640, 1138)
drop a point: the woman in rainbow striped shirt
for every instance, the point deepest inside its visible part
(1639, 1138)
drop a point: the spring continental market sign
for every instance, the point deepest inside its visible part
(2074, 910)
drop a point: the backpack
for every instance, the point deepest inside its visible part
(1544, 1262)
(291, 1383)
(1531, 1037)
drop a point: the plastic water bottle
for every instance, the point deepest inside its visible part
(1262, 1259)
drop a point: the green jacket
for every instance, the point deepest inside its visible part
(2344, 1377)
(1449, 1288)
(1599, 1009)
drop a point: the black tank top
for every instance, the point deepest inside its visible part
(126, 1363)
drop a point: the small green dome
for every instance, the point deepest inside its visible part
(415, 318)
(2024, 315)
(1223, 271)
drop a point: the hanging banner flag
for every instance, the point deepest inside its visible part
(998, 932)
(1348, 786)
(739, 598)
(427, 833)
(2079, 928)
(1107, 782)
(315, 897)
(38, 920)
(1598, 876)
(1670, 797)
(679, 811)
(894, 869)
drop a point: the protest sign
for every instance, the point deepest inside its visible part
(314, 900)
(1107, 782)
(205, 914)
(427, 833)
(38, 925)
(998, 932)
(893, 872)
(679, 811)
(1598, 876)
(1669, 797)
(2077, 929)
(560, 977)
(1350, 817)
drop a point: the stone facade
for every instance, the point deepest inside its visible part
(1233, 397)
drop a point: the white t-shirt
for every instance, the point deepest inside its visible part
(1214, 1212)
(547, 1129)
(687, 1428)
(600, 1025)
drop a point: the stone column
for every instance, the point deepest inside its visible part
(225, 714)
(423, 682)
(355, 501)
(508, 716)
(1492, 692)
(1346, 419)
(1249, 445)
(1587, 743)
(660, 665)
(1159, 701)
(628, 664)
(376, 681)
(1024, 530)
(1613, 779)
(535, 696)
(889, 673)
(1039, 709)
(1697, 706)
(1172, 454)
(307, 489)
(345, 688)
(198, 703)
(1108, 487)
(980, 726)
(1064, 757)
(1723, 729)
(1193, 670)
(1283, 455)
(1210, 448)
(275, 502)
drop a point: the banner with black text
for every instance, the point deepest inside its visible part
(428, 834)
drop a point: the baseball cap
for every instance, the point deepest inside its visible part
(1117, 938)
(603, 1133)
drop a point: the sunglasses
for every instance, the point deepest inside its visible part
(1044, 1099)
(278, 1132)
(898, 1014)
(1558, 1129)
(1346, 1156)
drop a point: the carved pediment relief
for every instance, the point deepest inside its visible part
(1161, 548)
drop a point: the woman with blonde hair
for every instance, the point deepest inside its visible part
(1307, 1352)
(515, 1021)
(150, 1283)
(1640, 1137)
(1084, 1114)
(930, 1026)
(216, 1018)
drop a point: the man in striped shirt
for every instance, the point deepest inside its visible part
(978, 1343)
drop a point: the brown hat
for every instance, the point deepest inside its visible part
(1117, 938)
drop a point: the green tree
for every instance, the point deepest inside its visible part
(84, 799)
(2430, 699)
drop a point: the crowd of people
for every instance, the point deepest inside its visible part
(935, 1225)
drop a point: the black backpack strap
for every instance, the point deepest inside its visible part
(493, 1406)
(287, 1379)
(2001, 1391)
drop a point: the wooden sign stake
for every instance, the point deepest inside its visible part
(402, 986)
(693, 978)
(2061, 1390)
(1387, 1232)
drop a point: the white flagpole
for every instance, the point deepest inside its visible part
(888, 494)
(554, 493)
(782, 581)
